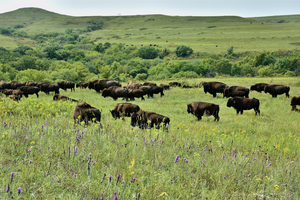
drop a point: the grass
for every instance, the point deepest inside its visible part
(239, 157)
(202, 34)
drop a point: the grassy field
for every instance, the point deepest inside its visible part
(239, 157)
(202, 34)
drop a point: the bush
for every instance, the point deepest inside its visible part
(186, 74)
(141, 77)
(148, 52)
(183, 51)
(289, 74)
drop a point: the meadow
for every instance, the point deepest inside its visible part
(239, 157)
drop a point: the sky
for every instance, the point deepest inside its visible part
(242, 8)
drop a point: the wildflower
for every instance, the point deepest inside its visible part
(233, 152)
(138, 196)
(234, 166)
(239, 163)
(76, 149)
(224, 177)
(12, 176)
(234, 156)
(29, 150)
(271, 194)
(47, 174)
(110, 178)
(177, 158)
(223, 156)
(30, 161)
(19, 190)
(112, 140)
(8, 188)
(42, 126)
(186, 160)
(268, 165)
(204, 160)
(101, 196)
(90, 154)
(116, 197)
(246, 156)
(118, 177)
(75, 175)
(94, 162)
(123, 181)
(249, 175)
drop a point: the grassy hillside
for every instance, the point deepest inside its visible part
(203, 34)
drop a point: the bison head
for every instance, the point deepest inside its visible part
(226, 92)
(190, 109)
(105, 92)
(231, 102)
(206, 87)
(115, 114)
(134, 119)
(253, 87)
(267, 88)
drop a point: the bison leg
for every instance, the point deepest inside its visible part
(26, 95)
(241, 111)
(37, 95)
(294, 107)
(214, 94)
(142, 98)
(257, 111)
(287, 95)
(162, 94)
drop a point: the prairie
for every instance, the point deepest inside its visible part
(239, 157)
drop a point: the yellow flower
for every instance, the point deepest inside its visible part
(163, 194)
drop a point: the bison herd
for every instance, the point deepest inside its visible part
(84, 112)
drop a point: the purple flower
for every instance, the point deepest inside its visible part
(112, 140)
(204, 160)
(223, 156)
(94, 162)
(123, 181)
(234, 166)
(186, 160)
(138, 196)
(249, 175)
(30, 161)
(234, 156)
(75, 175)
(42, 126)
(154, 139)
(224, 177)
(268, 165)
(47, 174)
(271, 194)
(101, 196)
(76, 149)
(90, 154)
(233, 152)
(133, 180)
(29, 150)
(246, 156)
(239, 163)
(83, 160)
(110, 178)
(177, 158)
(19, 190)
(12, 176)
(118, 177)
(8, 188)
(116, 197)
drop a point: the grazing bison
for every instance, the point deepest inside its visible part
(166, 87)
(67, 85)
(58, 97)
(233, 91)
(200, 108)
(240, 104)
(85, 112)
(150, 84)
(82, 85)
(105, 83)
(5, 85)
(8, 92)
(92, 83)
(126, 109)
(294, 102)
(115, 92)
(214, 87)
(30, 90)
(157, 90)
(258, 87)
(49, 87)
(142, 117)
(31, 83)
(147, 90)
(136, 93)
(175, 84)
(16, 84)
(275, 90)
(133, 85)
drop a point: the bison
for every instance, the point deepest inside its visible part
(66, 85)
(82, 85)
(166, 87)
(115, 92)
(8, 92)
(30, 90)
(158, 90)
(133, 85)
(275, 90)
(142, 117)
(126, 109)
(58, 97)
(136, 93)
(294, 102)
(149, 84)
(233, 91)
(258, 87)
(214, 87)
(16, 84)
(31, 83)
(5, 85)
(85, 112)
(200, 108)
(175, 84)
(240, 104)
(49, 87)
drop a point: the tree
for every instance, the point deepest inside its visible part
(183, 51)
(148, 52)
(22, 49)
(230, 50)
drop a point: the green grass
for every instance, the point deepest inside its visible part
(202, 34)
(271, 138)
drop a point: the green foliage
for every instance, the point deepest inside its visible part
(183, 51)
(99, 48)
(22, 49)
(20, 33)
(18, 26)
(31, 74)
(52, 51)
(230, 50)
(6, 30)
(148, 52)
(141, 77)
(185, 74)
(106, 45)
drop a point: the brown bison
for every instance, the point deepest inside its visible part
(258, 87)
(49, 87)
(133, 85)
(147, 90)
(275, 90)
(58, 97)
(16, 84)
(202, 108)
(8, 92)
(240, 104)
(142, 117)
(115, 92)
(125, 109)
(105, 83)
(66, 85)
(136, 93)
(31, 83)
(158, 90)
(166, 87)
(175, 84)
(234, 91)
(5, 85)
(214, 87)
(149, 84)
(92, 83)
(85, 112)
(294, 102)
(30, 90)
(82, 85)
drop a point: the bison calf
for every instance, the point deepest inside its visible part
(200, 108)
(240, 104)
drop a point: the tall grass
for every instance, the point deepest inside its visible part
(239, 157)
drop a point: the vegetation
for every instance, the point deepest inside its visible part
(239, 157)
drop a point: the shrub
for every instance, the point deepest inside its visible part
(148, 52)
(289, 74)
(141, 77)
(183, 51)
